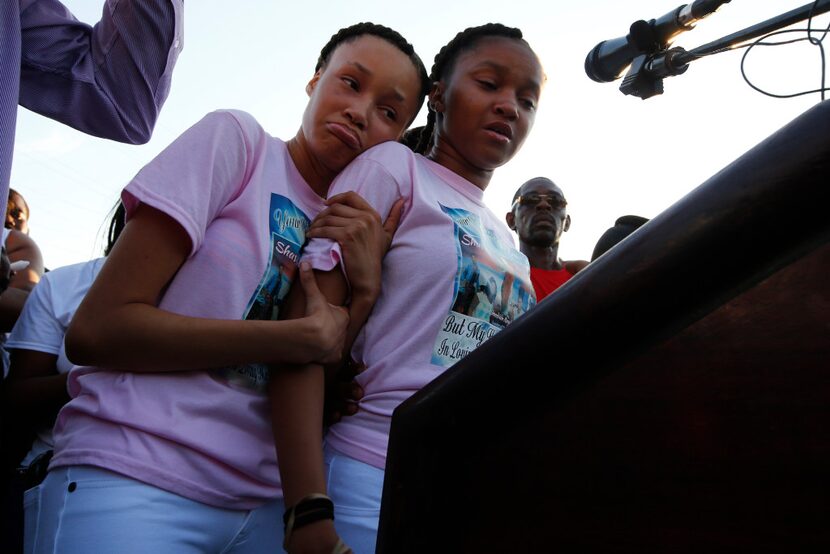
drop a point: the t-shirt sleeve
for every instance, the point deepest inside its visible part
(38, 328)
(380, 176)
(200, 173)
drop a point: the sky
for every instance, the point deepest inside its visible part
(611, 154)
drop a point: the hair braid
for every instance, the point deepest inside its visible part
(117, 223)
(445, 61)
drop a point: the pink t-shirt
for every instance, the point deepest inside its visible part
(451, 279)
(205, 435)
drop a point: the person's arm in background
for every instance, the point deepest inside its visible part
(34, 391)
(109, 80)
(19, 247)
(5, 270)
(575, 266)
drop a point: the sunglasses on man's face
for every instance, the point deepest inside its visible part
(553, 200)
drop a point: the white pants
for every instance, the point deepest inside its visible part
(89, 510)
(356, 489)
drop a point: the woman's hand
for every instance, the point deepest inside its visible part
(315, 538)
(357, 228)
(328, 323)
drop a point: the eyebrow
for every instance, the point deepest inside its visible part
(361, 67)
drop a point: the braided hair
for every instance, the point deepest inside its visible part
(117, 223)
(353, 32)
(445, 62)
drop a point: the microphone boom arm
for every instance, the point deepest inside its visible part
(645, 77)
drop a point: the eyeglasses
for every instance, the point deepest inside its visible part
(554, 200)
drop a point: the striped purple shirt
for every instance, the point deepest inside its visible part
(109, 80)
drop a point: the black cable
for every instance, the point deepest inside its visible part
(762, 41)
(812, 40)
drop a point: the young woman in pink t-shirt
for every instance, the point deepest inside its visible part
(166, 444)
(486, 87)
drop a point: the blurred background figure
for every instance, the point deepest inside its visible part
(35, 389)
(20, 248)
(17, 212)
(623, 227)
(539, 216)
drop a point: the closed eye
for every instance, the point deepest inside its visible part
(489, 85)
(351, 83)
(528, 103)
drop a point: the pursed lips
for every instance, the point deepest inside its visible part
(346, 134)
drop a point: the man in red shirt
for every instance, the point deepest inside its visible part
(539, 216)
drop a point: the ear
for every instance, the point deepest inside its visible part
(511, 220)
(567, 224)
(312, 84)
(436, 96)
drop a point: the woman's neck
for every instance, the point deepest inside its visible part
(449, 157)
(318, 176)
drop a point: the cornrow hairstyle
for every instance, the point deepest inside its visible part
(117, 223)
(445, 62)
(353, 32)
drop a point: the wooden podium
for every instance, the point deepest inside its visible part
(672, 397)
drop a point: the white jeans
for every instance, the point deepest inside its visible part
(356, 489)
(89, 510)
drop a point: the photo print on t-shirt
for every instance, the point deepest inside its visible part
(287, 226)
(489, 291)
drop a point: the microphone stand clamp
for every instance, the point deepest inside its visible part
(645, 76)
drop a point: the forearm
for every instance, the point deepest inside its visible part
(360, 308)
(11, 304)
(296, 396)
(142, 338)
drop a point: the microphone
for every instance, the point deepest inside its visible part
(608, 60)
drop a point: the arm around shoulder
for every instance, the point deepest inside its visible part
(119, 324)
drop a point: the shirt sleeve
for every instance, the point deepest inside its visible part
(381, 176)
(38, 328)
(200, 173)
(109, 80)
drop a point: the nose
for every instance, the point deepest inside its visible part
(357, 114)
(507, 107)
(544, 204)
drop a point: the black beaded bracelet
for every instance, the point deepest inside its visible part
(312, 508)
